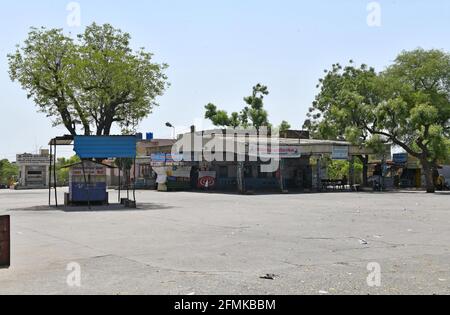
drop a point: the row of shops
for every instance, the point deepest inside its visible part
(299, 164)
(404, 171)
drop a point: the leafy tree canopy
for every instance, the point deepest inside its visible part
(8, 172)
(90, 83)
(408, 104)
(253, 115)
(285, 126)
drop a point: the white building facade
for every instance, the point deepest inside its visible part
(34, 170)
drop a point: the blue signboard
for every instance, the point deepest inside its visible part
(401, 158)
(158, 158)
(166, 158)
(104, 147)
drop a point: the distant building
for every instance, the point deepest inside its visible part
(34, 170)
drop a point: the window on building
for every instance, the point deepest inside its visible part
(34, 172)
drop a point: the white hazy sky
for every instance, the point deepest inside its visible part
(218, 49)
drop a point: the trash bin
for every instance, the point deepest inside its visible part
(5, 242)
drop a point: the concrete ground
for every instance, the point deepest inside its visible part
(194, 243)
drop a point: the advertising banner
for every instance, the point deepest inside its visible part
(207, 180)
(275, 151)
(163, 159)
(179, 171)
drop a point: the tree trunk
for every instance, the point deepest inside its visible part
(365, 173)
(70, 128)
(67, 120)
(428, 171)
(107, 130)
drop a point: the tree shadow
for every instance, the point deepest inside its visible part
(94, 208)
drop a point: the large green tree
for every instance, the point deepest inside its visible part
(415, 111)
(218, 117)
(253, 114)
(408, 105)
(346, 94)
(91, 83)
(284, 127)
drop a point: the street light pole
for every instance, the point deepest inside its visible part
(169, 125)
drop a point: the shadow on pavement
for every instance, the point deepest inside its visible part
(110, 208)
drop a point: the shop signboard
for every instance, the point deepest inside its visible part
(88, 170)
(179, 172)
(158, 158)
(30, 159)
(162, 159)
(400, 158)
(275, 151)
(340, 153)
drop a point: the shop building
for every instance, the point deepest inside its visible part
(407, 172)
(242, 162)
(143, 171)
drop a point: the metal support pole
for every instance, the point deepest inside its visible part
(86, 184)
(54, 175)
(128, 183)
(134, 184)
(50, 176)
(120, 184)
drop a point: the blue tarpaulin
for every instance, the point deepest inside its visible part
(104, 147)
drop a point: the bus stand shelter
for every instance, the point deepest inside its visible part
(96, 189)
(93, 149)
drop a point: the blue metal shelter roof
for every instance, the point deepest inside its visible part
(104, 147)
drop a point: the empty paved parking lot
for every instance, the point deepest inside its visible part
(193, 243)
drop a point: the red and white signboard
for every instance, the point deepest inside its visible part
(207, 180)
